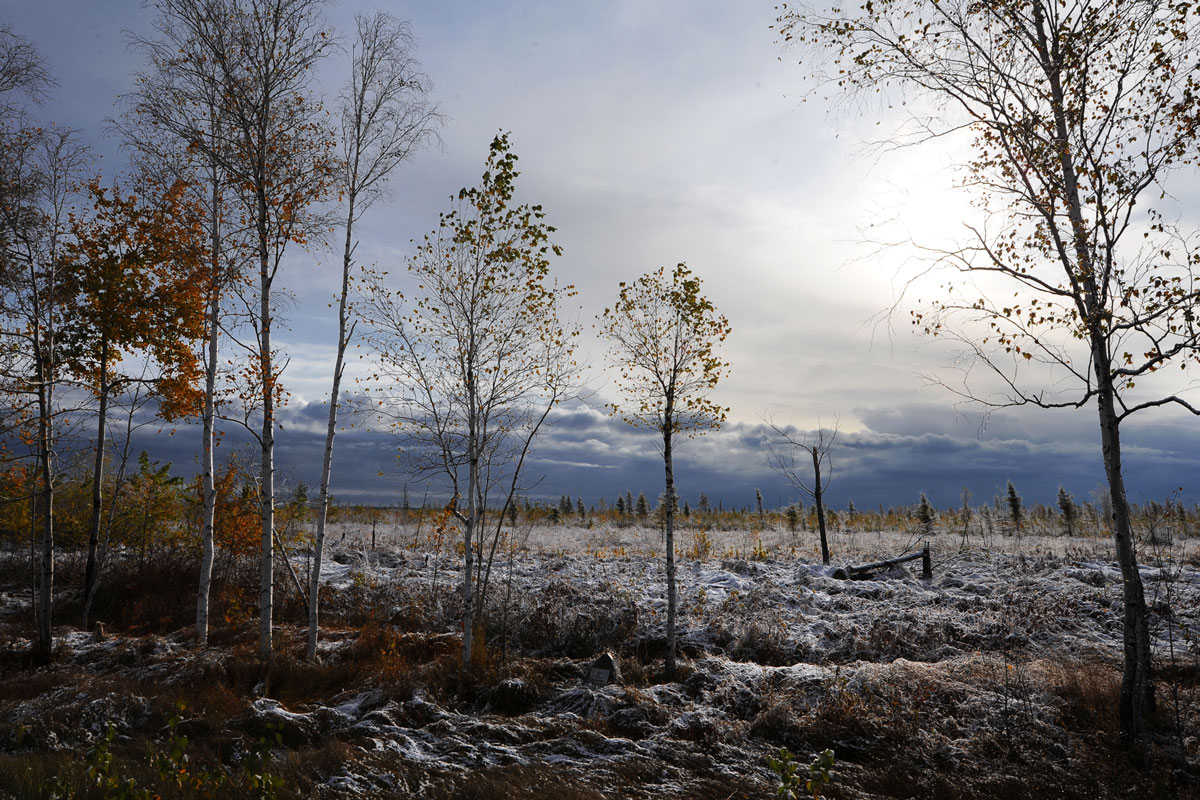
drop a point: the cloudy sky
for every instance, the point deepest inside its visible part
(655, 132)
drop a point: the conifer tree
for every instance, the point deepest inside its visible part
(642, 508)
(1015, 512)
(925, 515)
(1066, 504)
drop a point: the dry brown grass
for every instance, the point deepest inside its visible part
(502, 783)
(633, 778)
(1089, 693)
(889, 725)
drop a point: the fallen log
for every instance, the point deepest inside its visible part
(850, 572)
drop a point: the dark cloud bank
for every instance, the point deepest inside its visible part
(900, 452)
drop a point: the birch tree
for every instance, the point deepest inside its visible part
(269, 143)
(1071, 289)
(475, 358)
(386, 116)
(174, 126)
(40, 172)
(663, 334)
(23, 73)
(281, 154)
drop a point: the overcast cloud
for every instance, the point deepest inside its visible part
(652, 133)
(901, 453)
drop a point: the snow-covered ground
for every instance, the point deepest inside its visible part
(995, 676)
(985, 655)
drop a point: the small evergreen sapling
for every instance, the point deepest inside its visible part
(925, 515)
(1015, 512)
(1066, 504)
(642, 509)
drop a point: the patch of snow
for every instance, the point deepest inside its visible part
(270, 708)
(353, 708)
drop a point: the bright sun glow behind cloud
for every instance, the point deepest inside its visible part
(654, 133)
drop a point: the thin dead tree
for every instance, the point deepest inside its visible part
(386, 116)
(782, 444)
(1073, 288)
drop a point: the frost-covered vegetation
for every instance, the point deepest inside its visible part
(996, 678)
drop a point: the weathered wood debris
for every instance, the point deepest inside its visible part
(850, 572)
